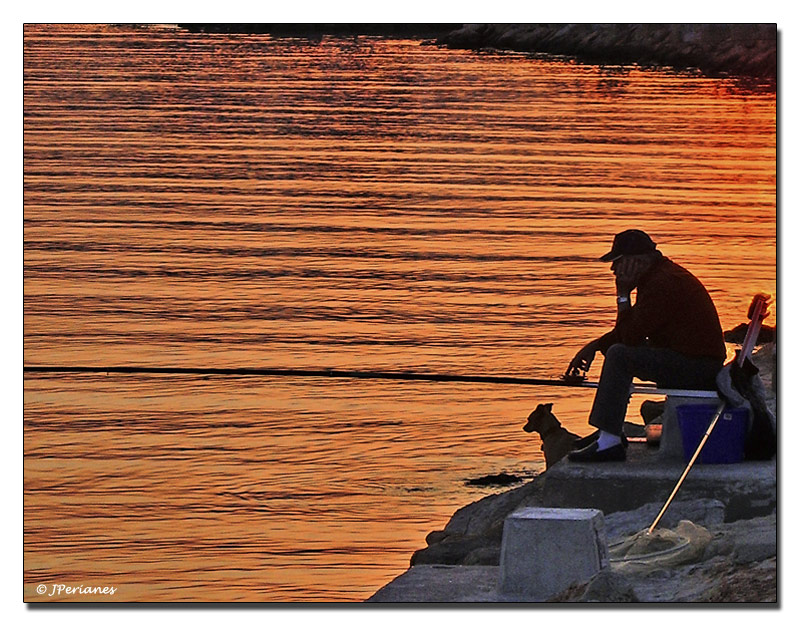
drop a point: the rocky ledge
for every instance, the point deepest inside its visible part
(739, 564)
(735, 503)
(749, 50)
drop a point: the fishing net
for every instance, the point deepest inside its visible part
(662, 548)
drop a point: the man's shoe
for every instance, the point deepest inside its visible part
(590, 454)
(581, 443)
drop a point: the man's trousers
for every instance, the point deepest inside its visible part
(667, 368)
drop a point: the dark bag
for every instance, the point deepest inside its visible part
(761, 442)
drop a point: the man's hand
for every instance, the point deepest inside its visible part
(582, 361)
(628, 270)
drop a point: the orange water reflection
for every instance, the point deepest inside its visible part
(382, 205)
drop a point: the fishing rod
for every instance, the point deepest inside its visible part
(566, 381)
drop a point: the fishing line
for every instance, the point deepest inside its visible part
(575, 382)
(323, 373)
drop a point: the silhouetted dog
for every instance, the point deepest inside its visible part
(556, 440)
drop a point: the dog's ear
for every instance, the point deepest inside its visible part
(549, 406)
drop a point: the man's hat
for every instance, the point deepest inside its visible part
(629, 242)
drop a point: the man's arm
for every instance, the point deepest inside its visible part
(625, 330)
(624, 311)
(628, 328)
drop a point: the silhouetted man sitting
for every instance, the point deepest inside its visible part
(671, 336)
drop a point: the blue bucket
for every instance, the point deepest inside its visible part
(725, 443)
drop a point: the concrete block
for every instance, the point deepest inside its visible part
(546, 550)
(671, 445)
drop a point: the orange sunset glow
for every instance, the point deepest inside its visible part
(366, 204)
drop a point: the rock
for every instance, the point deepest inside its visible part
(751, 540)
(450, 551)
(766, 360)
(454, 549)
(758, 548)
(441, 583)
(493, 480)
(609, 586)
(478, 517)
(738, 49)
(485, 555)
(435, 536)
(752, 582)
(705, 512)
(736, 335)
(605, 586)
(474, 533)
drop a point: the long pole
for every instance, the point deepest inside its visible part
(333, 373)
(324, 373)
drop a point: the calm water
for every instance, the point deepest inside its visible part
(358, 204)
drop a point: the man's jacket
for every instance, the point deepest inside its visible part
(673, 310)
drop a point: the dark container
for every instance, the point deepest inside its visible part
(725, 443)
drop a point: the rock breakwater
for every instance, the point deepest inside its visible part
(749, 50)
(739, 564)
(743, 50)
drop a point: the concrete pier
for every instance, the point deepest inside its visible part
(746, 489)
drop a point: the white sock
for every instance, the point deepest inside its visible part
(607, 440)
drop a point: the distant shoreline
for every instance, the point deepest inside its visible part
(312, 31)
(746, 50)
(716, 50)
